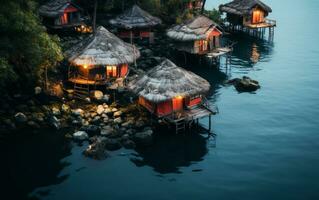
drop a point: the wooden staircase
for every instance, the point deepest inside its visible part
(81, 91)
(180, 125)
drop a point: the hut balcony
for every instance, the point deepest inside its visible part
(266, 23)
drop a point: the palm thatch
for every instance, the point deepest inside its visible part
(103, 48)
(135, 18)
(55, 8)
(167, 81)
(194, 29)
(243, 7)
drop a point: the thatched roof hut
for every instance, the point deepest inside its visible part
(243, 7)
(167, 81)
(103, 48)
(135, 18)
(197, 28)
(55, 8)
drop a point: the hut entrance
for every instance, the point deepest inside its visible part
(258, 16)
(178, 103)
(203, 45)
(111, 71)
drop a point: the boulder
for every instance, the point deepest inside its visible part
(78, 112)
(55, 122)
(107, 111)
(144, 138)
(114, 110)
(117, 114)
(129, 144)
(80, 135)
(100, 109)
(91, 130)
(97, 94)
(37, 90)
(118, 120)
(107, 131)
(56, 111)
(65, 108)
(20, 117)
(33, 124)
(96, 150)
(245, 84)
(105, 98)
(112, 144)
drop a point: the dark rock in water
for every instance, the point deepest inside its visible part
(144, 138)
(129, 144)
(80, 135)
(245, 84)
(97, 149)
(55, 122)
(91, 130)
(20, 117)
(112, 144)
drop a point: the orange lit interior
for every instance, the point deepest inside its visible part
(258, 16)
(64, 18)
(178, 103)
(111, 71)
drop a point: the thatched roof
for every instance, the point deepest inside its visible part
(55, 8)
(243, 7)
(135, 18)
(194, 29)
(103, 48)
(167, 81)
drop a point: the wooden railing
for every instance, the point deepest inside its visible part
(271, 22)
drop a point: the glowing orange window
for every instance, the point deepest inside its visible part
(178, 103)
(64, 18)
(111, 71)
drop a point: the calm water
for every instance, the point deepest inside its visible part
(267, 145)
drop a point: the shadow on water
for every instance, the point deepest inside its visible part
(31, 161)
(170, 152)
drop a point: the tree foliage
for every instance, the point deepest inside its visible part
(26, 49)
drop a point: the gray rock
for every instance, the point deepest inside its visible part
(91, 130)
(118, 120)
(65, 108)
(96, 150)
(80, 135)
(55, 122)
(144, 138)
(37, 90)
(112, 144)
(129, 144)
(20, 117)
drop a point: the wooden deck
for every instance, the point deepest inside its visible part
(87, 82)
(267, 24)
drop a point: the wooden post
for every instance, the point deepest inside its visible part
(94, 16)
(210, 123)
(131, 36)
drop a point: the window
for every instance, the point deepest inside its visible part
(111, 71)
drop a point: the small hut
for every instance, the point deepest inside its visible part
(200, 36)
(102, 59)
(136, 23)
(173, 94)
(251, 14)
(58, 14)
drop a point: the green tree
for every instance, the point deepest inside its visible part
(27, 51)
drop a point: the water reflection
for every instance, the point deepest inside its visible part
(250, 51)
(31, 161)
(170, 152)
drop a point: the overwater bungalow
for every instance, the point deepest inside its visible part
(136, 23)
(248, 15)
(101, 60)
(200, 36)
(61, 14)
(173, 94)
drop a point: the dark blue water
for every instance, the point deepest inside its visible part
(267, 145)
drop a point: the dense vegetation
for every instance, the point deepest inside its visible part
(27, 51)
